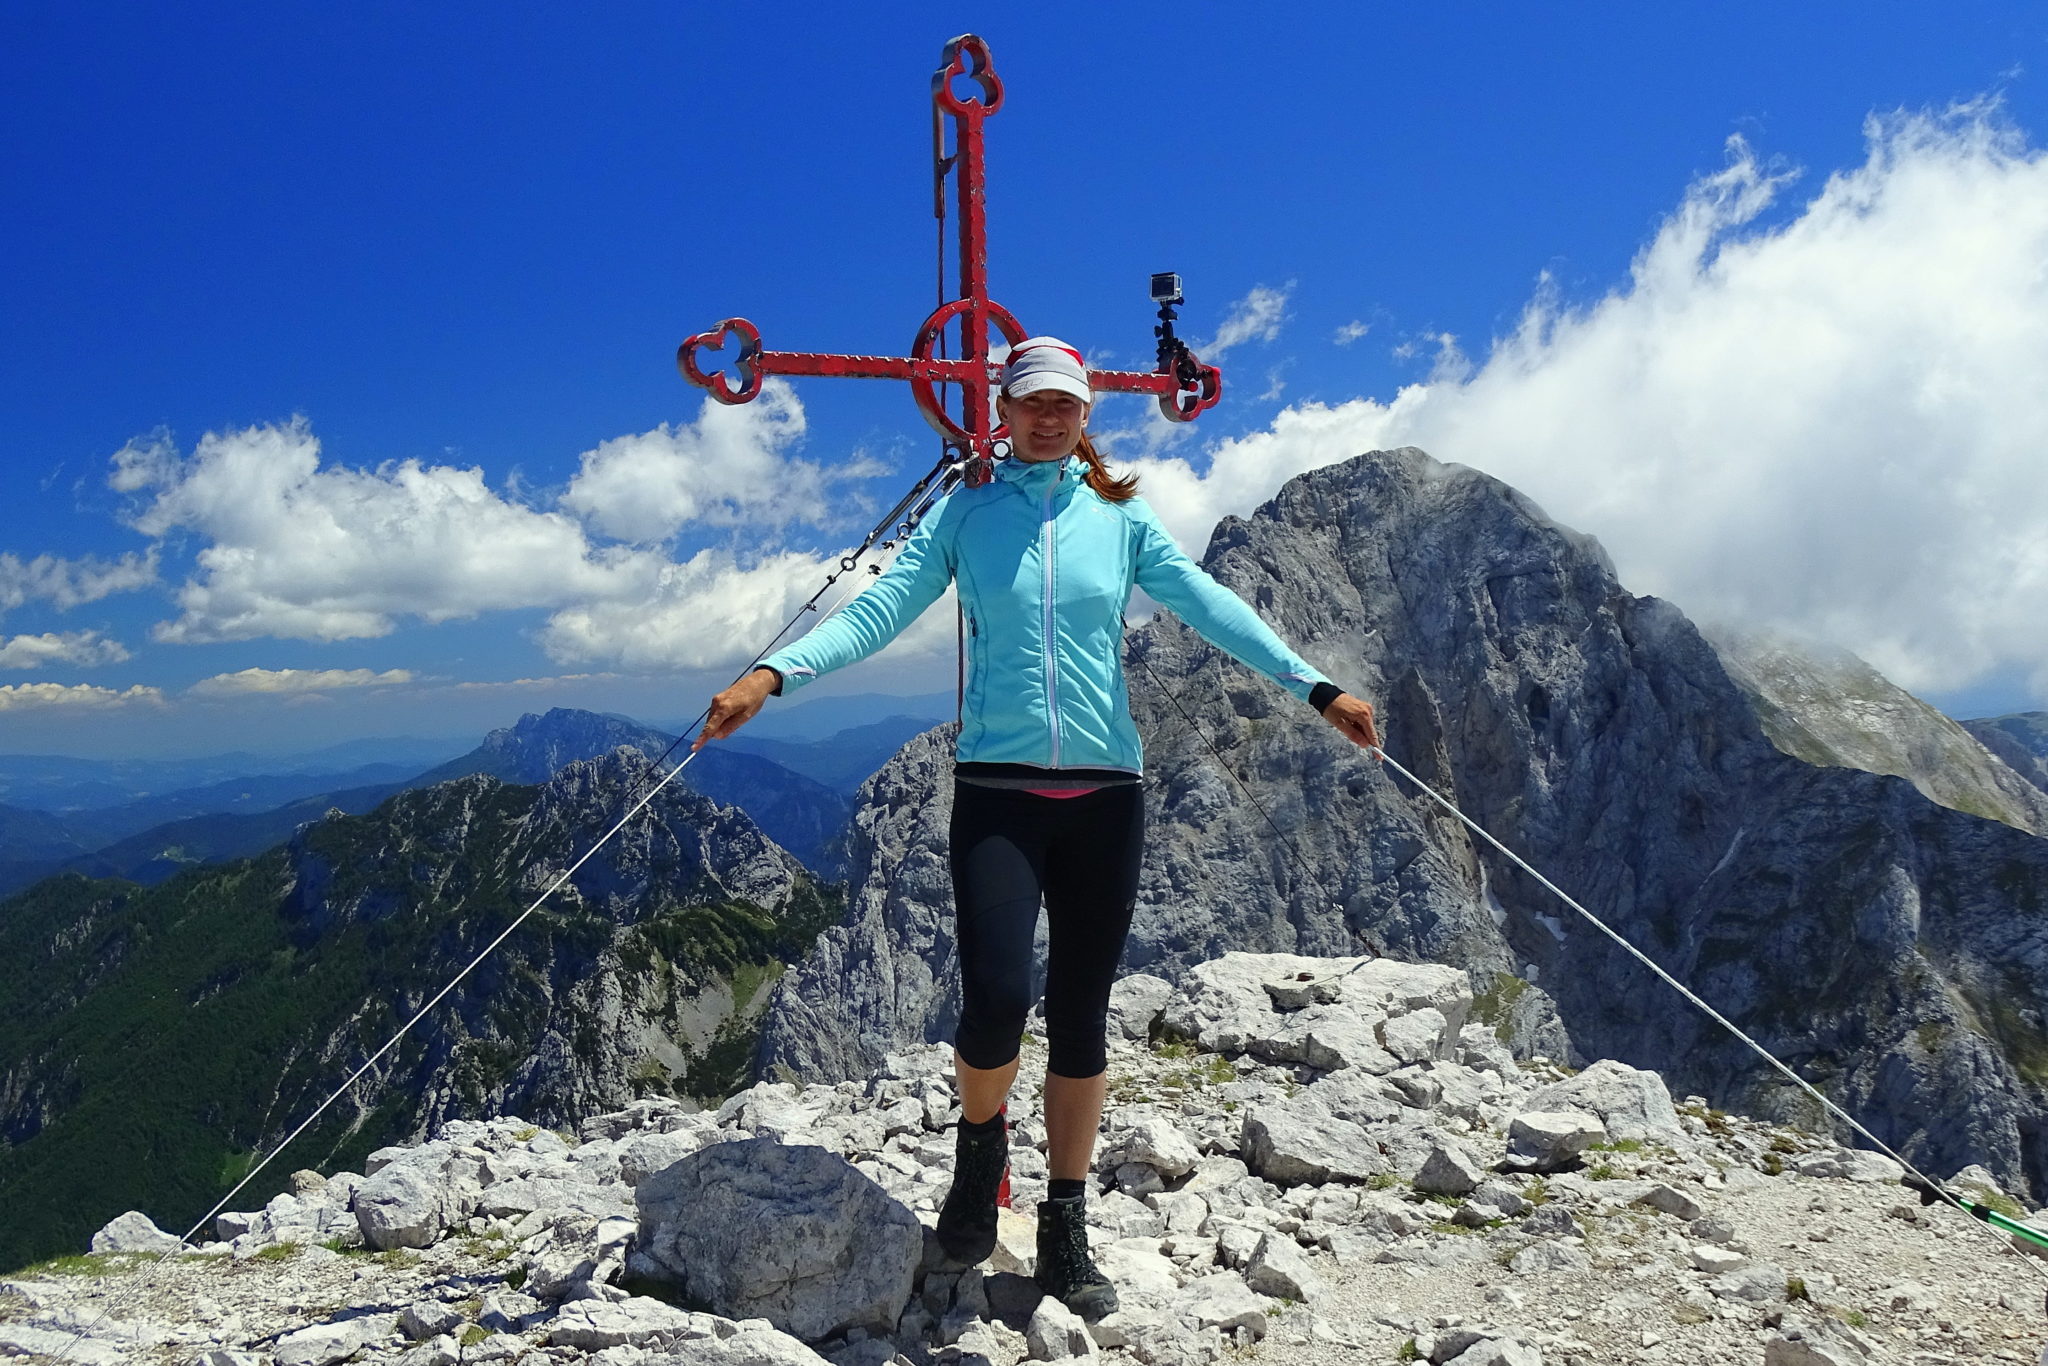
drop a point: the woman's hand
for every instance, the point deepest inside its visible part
(1352, 716)
(736, 706)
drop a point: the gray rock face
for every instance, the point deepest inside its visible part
(1880, 940)
(883, 977)
(759, 1229)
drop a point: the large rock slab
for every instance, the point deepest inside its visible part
(403, 1206)
(1224, 1006)
(593, 1325)
(1297, 1143)
(1631, 1103)
(21, 1339)
(134, 1232)
(787, 1233)
(323, 1344)
(1135, 1002)
(1550, 1140)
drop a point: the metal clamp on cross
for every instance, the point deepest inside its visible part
(1185, 386)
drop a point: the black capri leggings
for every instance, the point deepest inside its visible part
(1080, 855)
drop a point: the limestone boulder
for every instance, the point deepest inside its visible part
(787, 1233)
(1550, 1140)
(1292, 1144)
(134, 1232)
(1628, 1102)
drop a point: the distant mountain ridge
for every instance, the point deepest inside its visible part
(30, 836)
(63, 784)
(146, 840)
(2021, 739)
(165, 850)
(800, 814)
(842, 761)
(1829, 707)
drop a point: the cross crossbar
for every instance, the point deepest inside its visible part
(1184, 386)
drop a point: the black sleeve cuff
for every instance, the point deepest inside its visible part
(777, 690)
(1323, 694)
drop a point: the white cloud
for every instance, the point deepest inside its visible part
(308, 551)
(527, 684)
(27, 696)
(709, 612)
(1831, 425)
(730, 467)
(697, 614)
(277, 681)
(70, 583)
(80, 648)
(292, 546)
(1255, 317)
(1351, 332)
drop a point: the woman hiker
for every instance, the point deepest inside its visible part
(1047, 803)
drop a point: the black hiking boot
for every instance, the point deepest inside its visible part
(1064, 1270)
(981, 1184)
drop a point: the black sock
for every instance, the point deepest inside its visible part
(1059, 1188)
(992, 1125)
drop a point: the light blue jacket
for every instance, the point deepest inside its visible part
(1045, 567)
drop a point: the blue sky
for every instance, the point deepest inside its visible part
(338, 359)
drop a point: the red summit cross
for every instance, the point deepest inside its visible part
(1184, 385)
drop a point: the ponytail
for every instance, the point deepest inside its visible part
(1111, 489)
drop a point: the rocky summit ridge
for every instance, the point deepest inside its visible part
(1304, 1160)
(1886, 944)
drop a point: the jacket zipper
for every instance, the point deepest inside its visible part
(974, 670)
(1052, 677)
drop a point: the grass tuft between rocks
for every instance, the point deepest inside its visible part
(83, 1264)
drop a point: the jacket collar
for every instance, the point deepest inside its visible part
(1036, 477)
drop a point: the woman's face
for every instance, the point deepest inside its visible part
(1045, 425)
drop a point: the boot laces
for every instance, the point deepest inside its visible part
(1070, 1249)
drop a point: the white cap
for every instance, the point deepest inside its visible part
(1046, 363)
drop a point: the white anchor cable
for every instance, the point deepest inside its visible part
(912, 508)
(1714, 1014)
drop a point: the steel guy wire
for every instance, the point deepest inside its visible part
(1552, 887)
(1712, 1013)
(903, 517)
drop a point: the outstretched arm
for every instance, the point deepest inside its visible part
(914, 582)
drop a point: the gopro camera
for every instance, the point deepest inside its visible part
(1166, 288)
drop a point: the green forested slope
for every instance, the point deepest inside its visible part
(158, 1037)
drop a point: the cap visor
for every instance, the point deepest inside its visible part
(1031, 384)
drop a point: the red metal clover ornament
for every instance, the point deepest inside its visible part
(1185, 387)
